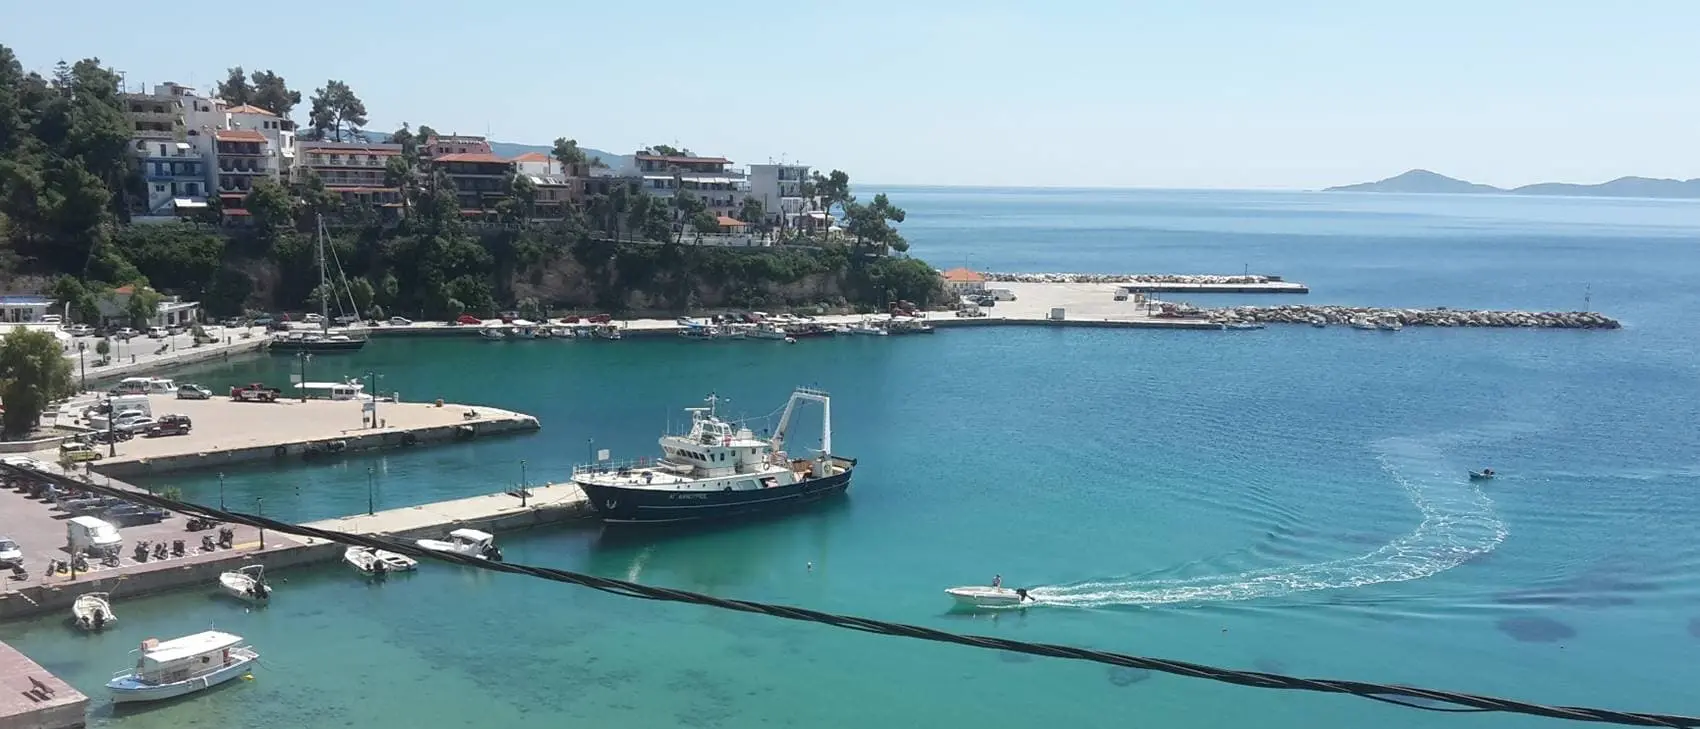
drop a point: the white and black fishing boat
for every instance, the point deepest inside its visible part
(718, 470)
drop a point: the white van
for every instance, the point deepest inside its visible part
(161, 386)
(88, 534)
(127, 403)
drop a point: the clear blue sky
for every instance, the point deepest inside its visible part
(1209, 93)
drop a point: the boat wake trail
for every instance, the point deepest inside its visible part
(1458, 524)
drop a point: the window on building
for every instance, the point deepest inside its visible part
(159, 188)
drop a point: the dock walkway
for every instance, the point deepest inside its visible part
(32, 698)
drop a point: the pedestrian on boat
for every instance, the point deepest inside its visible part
(997, 580)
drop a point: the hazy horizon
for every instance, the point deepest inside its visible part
(1223, 94)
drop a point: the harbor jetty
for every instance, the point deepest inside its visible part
(33, 698)
(1438, 317)
(1163, 282)
(226, 431)
(38, 526)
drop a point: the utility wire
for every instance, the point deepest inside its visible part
(1406, 696)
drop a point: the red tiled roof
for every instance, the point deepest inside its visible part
(963, 275)
(729, 222)
(532, 157)
(470, 157)
(239, 135)
(683, 160)
(249, 109)
(126, 289)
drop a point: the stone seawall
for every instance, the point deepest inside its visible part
(1303, 314)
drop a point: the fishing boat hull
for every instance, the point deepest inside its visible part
(127, 689)
(1479, 476)
(630, 505)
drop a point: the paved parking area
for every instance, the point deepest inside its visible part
(39, 529)
(141, 355)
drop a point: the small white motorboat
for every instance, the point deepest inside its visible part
(247, 584)
(182, 666)
(470, 542)
(1389, 324)
(93, 611)
(376, 562)
(990, 597)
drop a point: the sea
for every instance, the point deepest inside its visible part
(1291, 500)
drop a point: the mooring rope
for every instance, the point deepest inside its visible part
(1388, 693)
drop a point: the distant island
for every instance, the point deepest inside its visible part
(1426, 182)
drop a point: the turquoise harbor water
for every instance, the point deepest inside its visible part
(1290, 500)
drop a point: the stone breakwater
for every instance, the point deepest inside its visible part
(1165, 278)
(1297, 314)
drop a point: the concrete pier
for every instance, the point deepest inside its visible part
(35, 526)
(227, 432)
(32, 698)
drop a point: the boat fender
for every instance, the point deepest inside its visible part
(281, 451)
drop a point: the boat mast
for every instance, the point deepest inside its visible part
(324, 305)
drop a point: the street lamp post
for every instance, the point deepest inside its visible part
(305, 357)
(111, 435)
(82, 364)
(522, 491)
(370, 503)
(260, 508)
(221, 491)
(372, 392)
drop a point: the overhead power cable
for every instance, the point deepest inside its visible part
(1407, 696)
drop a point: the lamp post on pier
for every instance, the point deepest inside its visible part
(260, 510)
(522, 492)
(221, 491)
(370, 499)
(305, 357)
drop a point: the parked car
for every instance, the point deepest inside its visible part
(400, 321)
(125, 334)
(313, 319)
(134, 425)
(11, 554)
(347, 320)
(79, 330)
(193, 392)
(234, 322)
(468, 319)
(508, 317)
(170, 425)
(158, 333)
(52, 319)
(264, 321)
(72, 452)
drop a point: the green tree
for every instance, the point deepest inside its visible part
(235, 89)
(316, 199)
(871, 224)
(828, 190)
(70, 293)
(752, 212)
(569, 155)
(33, 373)
(273, 94)
(667, 151)
(687, 207)
(103, 347)
(271, 206)
(336, 111)
(705, 222)
(142, 307)
(409, 143)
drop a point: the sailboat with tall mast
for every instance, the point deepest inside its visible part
(327, 338)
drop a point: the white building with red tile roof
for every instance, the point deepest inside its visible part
(964, 281)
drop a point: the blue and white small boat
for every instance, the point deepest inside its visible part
(182, 666)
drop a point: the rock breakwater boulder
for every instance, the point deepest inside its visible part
(1307, 314)
(1171, 278)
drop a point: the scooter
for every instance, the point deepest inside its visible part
(141, 550)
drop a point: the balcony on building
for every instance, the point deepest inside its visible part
(472, 164)
(650, 164)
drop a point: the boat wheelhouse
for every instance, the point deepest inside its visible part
(182, 666)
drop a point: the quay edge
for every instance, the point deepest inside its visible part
(498, 513)
(33, 698)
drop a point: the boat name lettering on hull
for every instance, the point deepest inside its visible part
(692, 497)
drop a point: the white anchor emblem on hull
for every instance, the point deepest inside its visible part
(610, 504)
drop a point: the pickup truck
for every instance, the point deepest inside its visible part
(255, 392)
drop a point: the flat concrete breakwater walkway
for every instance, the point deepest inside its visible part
(1169, 283)
(227, 432)
(47, 593)
(1303, 314)
(32, 698)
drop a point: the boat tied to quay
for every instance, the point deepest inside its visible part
(717, 470)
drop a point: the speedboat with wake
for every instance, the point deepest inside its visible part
(983, 596)
(1485, 474)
